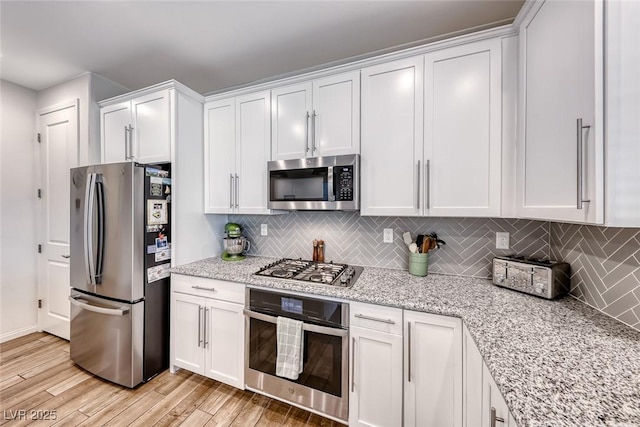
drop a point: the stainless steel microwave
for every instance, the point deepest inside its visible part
(315, 183)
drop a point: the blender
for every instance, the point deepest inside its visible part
(235, 243)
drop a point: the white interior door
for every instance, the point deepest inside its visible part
(58, 148)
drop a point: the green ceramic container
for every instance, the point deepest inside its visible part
(418, 264)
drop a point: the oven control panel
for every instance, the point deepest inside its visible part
(343, 178)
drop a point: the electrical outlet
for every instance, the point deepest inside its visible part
(263, 229)
(502, 240)
(387, 235)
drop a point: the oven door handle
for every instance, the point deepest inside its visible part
(336, 332)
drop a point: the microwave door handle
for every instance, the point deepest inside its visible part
(336, 332)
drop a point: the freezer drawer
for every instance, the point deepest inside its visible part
(107, 338)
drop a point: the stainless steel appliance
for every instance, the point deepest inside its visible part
(316, 183)
(120, 257)
(235, 243)
(544, 278)
(323, 384)
(326, 273)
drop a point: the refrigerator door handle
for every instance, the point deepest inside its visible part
(83, 304)
(88, 229)
(99, 185)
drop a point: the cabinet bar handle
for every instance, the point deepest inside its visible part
(199, 325)
(427, 174)
(306, 133)
(314, 147)
(353, 364)
(126, 142)
(131, 142)
(375, 319)
(418, 198)
(580, 164)
(204, 289)
(494, 419)
(230, 191)
(409, 351)
(206, 314)
(237, 191)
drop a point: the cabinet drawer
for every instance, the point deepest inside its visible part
(376, 317)
(209, 288)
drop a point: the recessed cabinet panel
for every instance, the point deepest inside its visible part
(186, 332)
(115, 132)
(220, 156)
(291, 118)
(392, 141)
(561, 165)
(336, 115)
(151, 127)
(463, 130)
(225, 342)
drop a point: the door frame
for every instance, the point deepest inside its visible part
(40, 208)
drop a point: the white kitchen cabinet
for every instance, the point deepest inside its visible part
(317, 118)
(463, 131)
(392, 138)
(237, 149)
(375, 397)
(138, 129)
(472, 386)
(432, 370)
(495, 411)
(207, 328)
(560, 150)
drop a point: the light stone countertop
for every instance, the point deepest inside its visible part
(555, 362)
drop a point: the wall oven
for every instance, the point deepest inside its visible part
(323, 384)
(316, 183)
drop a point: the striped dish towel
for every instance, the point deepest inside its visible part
(289, 359)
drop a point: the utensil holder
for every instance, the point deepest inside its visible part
(418, 264)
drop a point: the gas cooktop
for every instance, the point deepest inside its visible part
(325, 273)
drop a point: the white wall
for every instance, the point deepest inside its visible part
(18, 279)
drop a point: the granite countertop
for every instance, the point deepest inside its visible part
(555, 362)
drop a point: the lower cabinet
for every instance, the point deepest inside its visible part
(375, 397)
(207, 328)
(432, 370)
(483, 404)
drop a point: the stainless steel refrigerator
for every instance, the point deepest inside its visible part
(120, 257)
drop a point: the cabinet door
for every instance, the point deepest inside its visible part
(224, 342)
(562, 83)
(376, 378)
(392, 140)
(187, 332)
(463, 130)
(492, 400)
(219, 156)
(433, 370)
(152, 127)
(253, 150)
(472, 366)
(290, 122)
(114, 133)
(336, 115)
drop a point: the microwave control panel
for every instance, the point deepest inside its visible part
(343, 178)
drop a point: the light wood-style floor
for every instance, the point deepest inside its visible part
(37, 377)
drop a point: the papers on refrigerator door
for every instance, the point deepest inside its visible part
(157, 212)
(158, 272)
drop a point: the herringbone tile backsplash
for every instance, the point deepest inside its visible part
(605, 267)
(352, 239)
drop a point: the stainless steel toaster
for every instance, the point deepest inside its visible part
(542, 278)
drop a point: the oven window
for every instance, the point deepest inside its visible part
(322, 369)
(300, 184)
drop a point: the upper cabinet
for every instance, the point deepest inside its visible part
(138, 129)
(392, 140)
(236, 152)
(462, 131)
(560, 147)
(317, 118)
(444, 159)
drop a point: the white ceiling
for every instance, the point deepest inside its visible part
(211, 45)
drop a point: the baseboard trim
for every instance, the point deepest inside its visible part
(19, 333)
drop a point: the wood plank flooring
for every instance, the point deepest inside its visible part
(41, 386)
